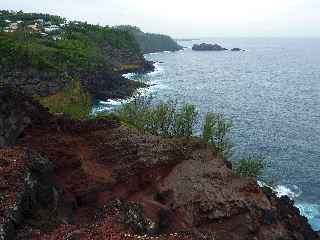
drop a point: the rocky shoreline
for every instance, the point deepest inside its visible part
(96, 179)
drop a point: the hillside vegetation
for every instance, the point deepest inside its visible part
(41, 53)
(151, 42)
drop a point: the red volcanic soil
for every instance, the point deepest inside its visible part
(111, 182)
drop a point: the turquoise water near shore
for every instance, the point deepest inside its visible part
(271, 92)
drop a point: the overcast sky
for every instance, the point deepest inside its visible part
(190, 18)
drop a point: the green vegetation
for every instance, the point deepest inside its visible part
(67, 50)
(168, 120)
(73, 102)
(215, 131)
(251, 166)
(150, 42)
(79, 50)
(185, 121)
(164, 119)
(28, 17)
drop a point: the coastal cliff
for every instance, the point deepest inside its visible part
(41, 53)
(97, 179)
(151, 42)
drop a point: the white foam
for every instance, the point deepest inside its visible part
(129, 75)
(282, 190)
(112, 102)
(155, 53)
(158, 69)
(312, 212)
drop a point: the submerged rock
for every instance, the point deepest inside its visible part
(208, 47)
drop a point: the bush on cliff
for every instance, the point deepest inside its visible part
(215, 131)
(166, 119)
(163, 119)
(251, 166)
(185, 121)
(73, 101)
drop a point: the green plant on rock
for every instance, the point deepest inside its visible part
(215, 131)
(251, 166)
(73, 101)
(163, 119)
(185, 121)
(136, 113)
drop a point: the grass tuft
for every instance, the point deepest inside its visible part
(73, 101)
(251, 166)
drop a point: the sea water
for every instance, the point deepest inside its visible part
(271, 92)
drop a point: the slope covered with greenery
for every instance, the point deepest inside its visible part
(42, 51)
(151, 42)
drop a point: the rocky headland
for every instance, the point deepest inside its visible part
(97, 179)
(41, 61)
(152, 42)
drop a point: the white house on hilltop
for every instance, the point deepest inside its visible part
(51, 28)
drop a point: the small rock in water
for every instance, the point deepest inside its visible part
(237, 49)
(208, 47)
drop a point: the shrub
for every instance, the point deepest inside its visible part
(73, 101)
(251, 166)
(136, 112)
(215, 131)
(185, 121)
(163, 119)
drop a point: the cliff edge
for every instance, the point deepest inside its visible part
(96, 179)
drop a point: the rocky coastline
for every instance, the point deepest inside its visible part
(97, 179)
(100, 179)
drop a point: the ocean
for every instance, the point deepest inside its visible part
(271, 93)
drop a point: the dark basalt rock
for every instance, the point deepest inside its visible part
(208, 47)
(237, 50)
(16, 113)
(37, 191)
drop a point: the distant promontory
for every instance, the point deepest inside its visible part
(151, 42)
